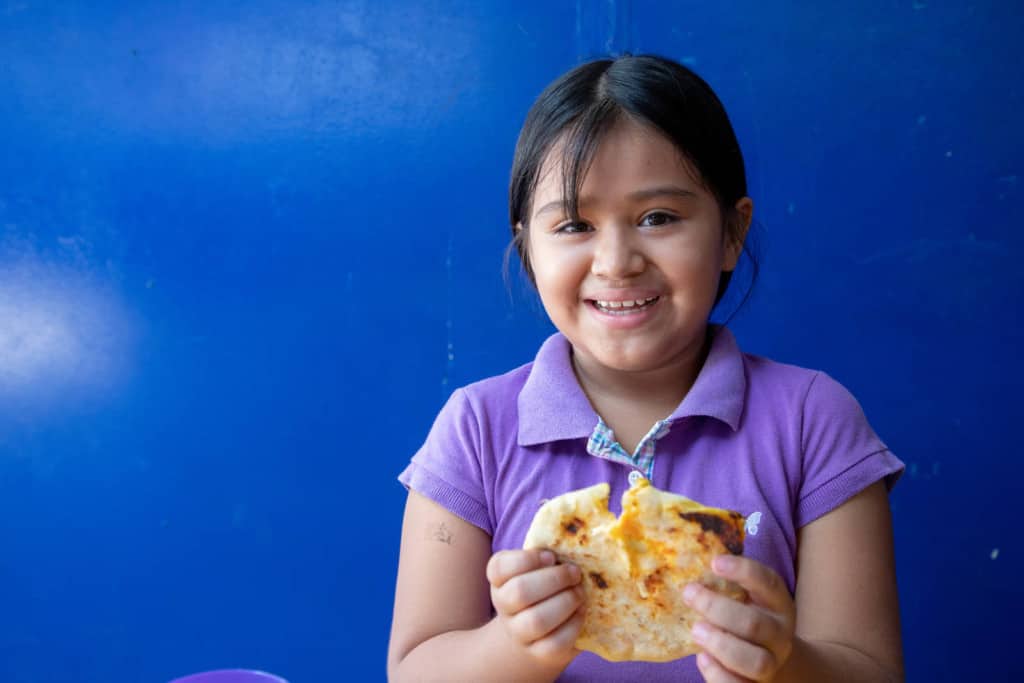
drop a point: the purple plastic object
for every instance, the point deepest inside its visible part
(231, 676)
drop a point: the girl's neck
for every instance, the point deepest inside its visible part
(654, 393)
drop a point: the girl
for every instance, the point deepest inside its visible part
(629, 211)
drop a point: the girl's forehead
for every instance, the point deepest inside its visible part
(625, 152)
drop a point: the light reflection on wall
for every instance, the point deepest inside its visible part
(61, 333)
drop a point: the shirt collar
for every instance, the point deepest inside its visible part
(553, 407)
(721, 385)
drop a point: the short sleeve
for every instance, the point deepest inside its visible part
(447, 468)
(842, 455)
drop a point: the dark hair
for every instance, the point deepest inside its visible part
(583, 104)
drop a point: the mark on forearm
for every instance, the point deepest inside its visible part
(441, 533)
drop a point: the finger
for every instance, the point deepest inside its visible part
(563, 638)
(749, 622)
(714, 672)
(735, 654)
(530, 588)
(765, 586)
(536, 621)
(506, 564)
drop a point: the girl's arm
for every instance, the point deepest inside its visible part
(847, 624)
(844, 625)
(443, 628)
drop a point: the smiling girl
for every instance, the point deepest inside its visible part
(629, 210)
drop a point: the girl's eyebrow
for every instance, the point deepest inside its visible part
(639, 195)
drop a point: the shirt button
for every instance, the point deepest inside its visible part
(634, 477)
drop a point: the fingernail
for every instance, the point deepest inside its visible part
(547, 557)
(724, 564)
(700, 632)
(703, 660)
(575, 572)
(690, 592)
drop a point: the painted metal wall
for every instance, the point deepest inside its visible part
(247, 249)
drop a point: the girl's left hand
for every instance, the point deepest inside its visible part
(743, 642)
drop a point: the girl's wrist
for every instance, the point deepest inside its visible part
(539, 671)
(818, 661)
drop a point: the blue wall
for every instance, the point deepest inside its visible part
(247, 249)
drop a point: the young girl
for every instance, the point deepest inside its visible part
(629, 210)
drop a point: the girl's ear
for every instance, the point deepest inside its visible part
(735, 232)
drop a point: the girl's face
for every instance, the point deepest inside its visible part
(632, 283)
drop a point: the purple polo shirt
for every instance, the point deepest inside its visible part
(780, 444)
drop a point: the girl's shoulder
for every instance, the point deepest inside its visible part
(810, 398)
(789, 380)
(766, 369)
(488, 405)
(737, 375)
(822, 410)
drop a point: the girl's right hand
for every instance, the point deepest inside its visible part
(538, 602)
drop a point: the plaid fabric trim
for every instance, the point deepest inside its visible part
(602, 444)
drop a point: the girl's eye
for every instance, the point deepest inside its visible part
(657, 218)
(572, 228)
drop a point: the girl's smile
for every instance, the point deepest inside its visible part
(624, 309)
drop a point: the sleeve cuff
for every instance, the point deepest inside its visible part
(425, 483)
(847, 484)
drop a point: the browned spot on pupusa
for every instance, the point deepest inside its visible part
(654, 581)
(598, 580)
(730, 535)
(574, 525)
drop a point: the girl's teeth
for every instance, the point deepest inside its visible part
(613, 305)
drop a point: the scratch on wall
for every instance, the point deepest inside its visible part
(603, 27)
(922, 249)
(755, 104)
(917, 471)
(449, 363)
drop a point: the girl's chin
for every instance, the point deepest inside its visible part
(625, 359)
(638, 353)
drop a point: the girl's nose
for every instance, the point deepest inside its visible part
(616, 256)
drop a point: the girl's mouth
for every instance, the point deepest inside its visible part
(624, 308)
